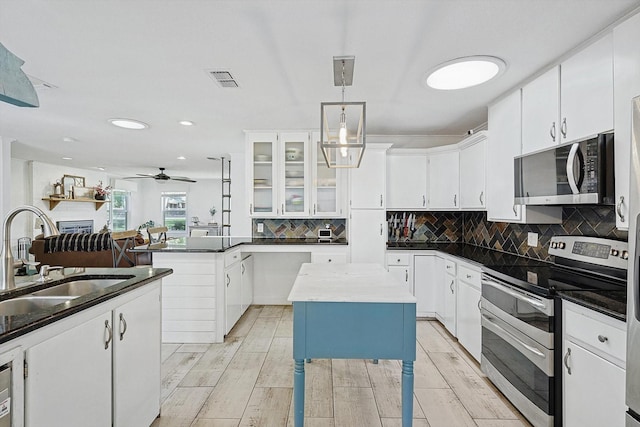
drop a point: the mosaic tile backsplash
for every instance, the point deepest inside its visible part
(473, 228)
(275, 228)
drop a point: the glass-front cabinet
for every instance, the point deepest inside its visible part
(294, 174)
(263, 178)
(325, 190)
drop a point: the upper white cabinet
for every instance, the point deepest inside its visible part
(444, 178)
(571, 101)
(540, 112)
(294, 174)
(472, 172)
(327, 186)
(502, 147)
(262, 149)
(626, 69)
(407, 180)
(368, 181)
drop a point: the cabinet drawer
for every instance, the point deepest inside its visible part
(599, 332)
(450, 266)
(232, 258)
(398, 259)
(334, 258)
(469, 276)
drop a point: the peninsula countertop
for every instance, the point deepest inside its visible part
(223, 243)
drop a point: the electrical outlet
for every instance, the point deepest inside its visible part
(532, 239)
(260, 227)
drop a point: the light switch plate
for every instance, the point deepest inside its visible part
(260, 227)
(532, 239)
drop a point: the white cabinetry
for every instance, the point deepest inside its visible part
(400, 265)
(540, 112)
(448, 316)
(444, 179)
(262, 182)
(593, 374)
(472, 172)
(428, 279)
(368, 181)
(104, 370)
(468, 328)
(293, 183)
(502, 147)
(367, 235)
(406, 180)
(247, 283)
(626, 69)
(233, 293)
(328, 195)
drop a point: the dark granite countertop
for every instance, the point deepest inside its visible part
(221, 244)
(16, 325)
(611, 303)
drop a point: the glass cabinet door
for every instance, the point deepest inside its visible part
(264, 187)
(294, 173)
(326, 197)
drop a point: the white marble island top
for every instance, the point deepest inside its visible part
(368, 283)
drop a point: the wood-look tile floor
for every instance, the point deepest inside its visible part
(248, 381)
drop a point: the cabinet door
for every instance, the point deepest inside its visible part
(368, 181)
(247, 283)
(69, 380)
(586, 91)
(403, 274)
(444, 178)
(294, 179)
(593, 394)
(472, 176)
(136, 362)
(327, 184)
(427, 280)
(468, 326)
(626, 69)
(406, 182)
(262, 178)
(233, 295)
(502, 147)
(367, 235)
(450, 291)
(540, 112)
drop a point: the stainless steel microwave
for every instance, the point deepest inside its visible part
(580, 172)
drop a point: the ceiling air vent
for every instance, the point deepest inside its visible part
(223, 78)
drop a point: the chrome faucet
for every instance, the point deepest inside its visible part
(45, 270)
(8, 261)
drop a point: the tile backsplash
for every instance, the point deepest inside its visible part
(298, 228)
(473, 228)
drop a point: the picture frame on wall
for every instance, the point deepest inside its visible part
(83, 192)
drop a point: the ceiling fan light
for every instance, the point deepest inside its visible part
(129, 124)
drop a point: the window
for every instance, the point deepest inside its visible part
(174, 212)
(119, 210)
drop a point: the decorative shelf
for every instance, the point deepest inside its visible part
(54, 202)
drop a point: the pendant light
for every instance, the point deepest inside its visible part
(342, 141)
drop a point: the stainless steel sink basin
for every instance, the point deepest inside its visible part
(29, 304)
(77, 288)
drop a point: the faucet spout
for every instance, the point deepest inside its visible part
(7, 266)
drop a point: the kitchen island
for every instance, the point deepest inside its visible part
(352, 311)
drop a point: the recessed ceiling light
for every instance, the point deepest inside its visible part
(69, 139)
(67, 158)
(465, 72)
(128, 124)
(182, 158)
(186, 123)
(100, 168)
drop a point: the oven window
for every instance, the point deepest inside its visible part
(523, 374)
(518, 308)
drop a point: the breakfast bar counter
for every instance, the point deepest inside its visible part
(352, 311)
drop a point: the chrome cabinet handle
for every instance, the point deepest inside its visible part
(110, 334)
(481, 197)
(282, 209)
(619, 208)
(243, 268)
(329, 260)
(381, 200)
(123, 326)
(228, 280)
(424, 200)
(451, 286)
(314, 208)
(406, 275)
(381, 229)
(602, 338)
(479, 308)
(552, 131)
(469, 276)
(455, 200)
(566, 359)
(515, 212)
(250, 208)
(563, 127)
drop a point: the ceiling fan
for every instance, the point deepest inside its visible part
(161, 177)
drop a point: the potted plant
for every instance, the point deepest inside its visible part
(212, 212)
(102, 192)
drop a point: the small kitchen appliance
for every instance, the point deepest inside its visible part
(325, 234)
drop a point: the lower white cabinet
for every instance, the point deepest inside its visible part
(593, 374)
(247, 283)
(428, 276)
(448, 316)
(400, 266)
(468, 328)
(232, 295)
(103, 372)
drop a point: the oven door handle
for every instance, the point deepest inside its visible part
(509, 336)
(514, 294)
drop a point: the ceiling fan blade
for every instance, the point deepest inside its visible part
(182, 178)
(146, 174)
(138, 177)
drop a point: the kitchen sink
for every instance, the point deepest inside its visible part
(77, 288)
(30, 304)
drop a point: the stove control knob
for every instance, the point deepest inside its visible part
(624, 255)
(561, 245)
(554, 245)
(614, 252)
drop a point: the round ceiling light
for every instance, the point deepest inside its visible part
(129, 124)
(186, 122)
(465, 72)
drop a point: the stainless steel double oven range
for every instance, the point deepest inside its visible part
(521, 318)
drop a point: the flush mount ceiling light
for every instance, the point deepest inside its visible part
(342, 141)
(465, 72)
(186, 123)
(181, 158)
(128, 124)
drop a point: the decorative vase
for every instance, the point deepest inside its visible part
(101, 197)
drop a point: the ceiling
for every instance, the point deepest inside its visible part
(147, 60)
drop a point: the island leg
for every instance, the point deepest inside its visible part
(407, 393)
(298, 393)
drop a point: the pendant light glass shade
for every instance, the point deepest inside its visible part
(342, 133)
